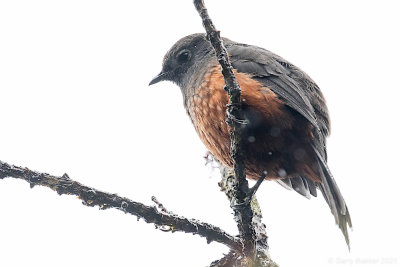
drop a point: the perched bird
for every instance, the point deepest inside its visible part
(286, 116)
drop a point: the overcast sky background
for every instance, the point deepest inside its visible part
(74, 99)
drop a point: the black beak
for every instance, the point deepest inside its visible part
(160, 77)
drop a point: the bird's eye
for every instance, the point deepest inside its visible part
(183, 56)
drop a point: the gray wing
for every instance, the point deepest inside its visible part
(291, 84)
(298, 91)
(295, 88)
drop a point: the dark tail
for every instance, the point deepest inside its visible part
(333, 197)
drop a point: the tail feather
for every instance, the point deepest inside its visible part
(301, 185)
(334, 198)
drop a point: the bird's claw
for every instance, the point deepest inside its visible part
(249, 195)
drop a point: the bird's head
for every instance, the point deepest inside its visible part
(184, 59)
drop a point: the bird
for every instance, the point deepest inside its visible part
(285, 112)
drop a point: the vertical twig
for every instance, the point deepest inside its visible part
(243, 211)
(262, 257)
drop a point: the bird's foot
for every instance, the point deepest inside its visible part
(249, 195)
(255, 187)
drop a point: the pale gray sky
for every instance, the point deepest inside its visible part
(74, 99)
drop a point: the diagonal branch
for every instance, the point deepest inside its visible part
(92, 197)
(242, 208)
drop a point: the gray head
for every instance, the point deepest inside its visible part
(184, 59)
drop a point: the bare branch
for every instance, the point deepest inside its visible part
(242, 208)
(93, 197)
(230, 259)
(262, 257)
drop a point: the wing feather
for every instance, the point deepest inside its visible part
(292, 85)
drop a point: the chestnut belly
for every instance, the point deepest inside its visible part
(276, 139)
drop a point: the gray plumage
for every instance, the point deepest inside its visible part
(295, 89)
